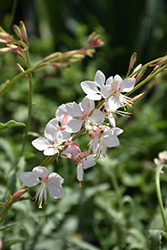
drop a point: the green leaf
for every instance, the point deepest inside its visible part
(155, 238)
(11, 123)
(12, 242)
(8, 226)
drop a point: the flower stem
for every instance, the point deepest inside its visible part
(147, 79)
(29, 105)
(159, 195)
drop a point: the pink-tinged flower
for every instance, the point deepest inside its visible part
(91, 88)
(113, 89)
(83, 112)
(40, 175)
(83, 159)
(52, 141)
(62, 117)
(102, 138)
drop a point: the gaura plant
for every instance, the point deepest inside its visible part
(93, 116)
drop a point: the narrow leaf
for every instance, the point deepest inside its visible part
(11, 123)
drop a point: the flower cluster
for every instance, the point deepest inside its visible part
(72, 120)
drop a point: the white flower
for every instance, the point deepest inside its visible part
(102, 138)
(83, 111)
(52, 141)
(91, 87)
(84, 163)
(110, 111)
(40, 175)
(113, 89)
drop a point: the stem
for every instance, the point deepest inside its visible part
(146, 65)
(29, 105)
(9, 84)
(159, 195)
(146, 80)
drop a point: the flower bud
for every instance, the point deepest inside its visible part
(5, 35)
(17, 30)
(140, 74)
(136, 98)
(23, 31)
(19, 193)
(52, 56)
(94, 40)
(132, 60)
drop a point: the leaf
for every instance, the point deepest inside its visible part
(155, 238)
(11, 242)
(11, 123)
(8, 226)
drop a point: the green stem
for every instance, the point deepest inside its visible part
(146, 65)
(8, 84)
(29, 105)
(147, 79)
(159, 195)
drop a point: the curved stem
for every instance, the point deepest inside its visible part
(159, 195)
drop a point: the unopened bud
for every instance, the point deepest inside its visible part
(52, 56)
(90, 52)
(136, 98)
(132, 60)
(23, 31)
(76, 58)
(59, 65)
(140, 74)
(17, 30)
(163, 61)
(94, 40)
(19, 193)
(5, 50)
(5, 35)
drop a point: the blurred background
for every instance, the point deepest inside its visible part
(117, 204)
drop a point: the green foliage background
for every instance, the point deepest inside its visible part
(117, 204)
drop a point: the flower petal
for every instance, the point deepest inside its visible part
(50, 151)
(111, 141)
(127, 84)
(97, 116)
(40, 171)
(41, 143)
(29, 179)
(80, 172)
(74, 126)
(74, 109)
(88, 161)
(100, 78)
(56, 191)
(87, 105)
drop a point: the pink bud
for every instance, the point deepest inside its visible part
(19, 193)
(132, 60)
